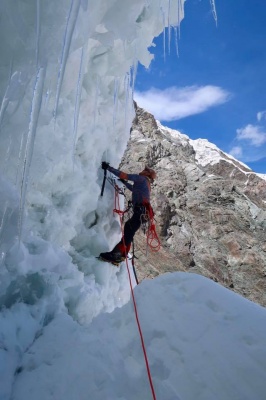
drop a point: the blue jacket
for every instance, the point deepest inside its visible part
(140, 189)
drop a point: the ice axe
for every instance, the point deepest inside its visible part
(103, 185)
(105, 165)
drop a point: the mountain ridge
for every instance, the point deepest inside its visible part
(210, 216)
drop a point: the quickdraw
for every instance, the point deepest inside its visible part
(113, 183)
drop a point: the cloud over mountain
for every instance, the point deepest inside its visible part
(175, 103)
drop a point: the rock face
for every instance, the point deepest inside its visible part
(210, 209)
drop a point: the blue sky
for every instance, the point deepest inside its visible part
(215, 87)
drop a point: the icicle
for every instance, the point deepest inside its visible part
(38, 29)
(132, 79)
(96, 101)
(163, 15)
(6, 215)
(135, 69)
(20, 157)
(169, 27)
(77, 103)
(116, 90)
(214, 11)
(133, 74)
(176, 41)
(181, 8)
(6, 162)
(34, 115)
(4, 105)
(126, 89)
(47, 96)
(71, 22)
(3, 108)
(180, 12)
(11, 69)
(5, 100)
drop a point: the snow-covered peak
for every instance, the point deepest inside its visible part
(174, 134)
(206, 153)
(263, 176)
(209, 153)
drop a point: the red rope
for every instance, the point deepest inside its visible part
(120, 213)
(152, 238)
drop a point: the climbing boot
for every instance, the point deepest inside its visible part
(113, 257)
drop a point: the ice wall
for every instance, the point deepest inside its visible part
(67, 71)
(66, 78)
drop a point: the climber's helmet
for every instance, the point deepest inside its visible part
(150, 173)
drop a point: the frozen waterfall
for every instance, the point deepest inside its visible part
(67, 77)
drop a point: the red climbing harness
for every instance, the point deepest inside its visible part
(147, 218)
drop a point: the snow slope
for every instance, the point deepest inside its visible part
(202, 341)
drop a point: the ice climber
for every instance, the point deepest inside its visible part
(141, 189)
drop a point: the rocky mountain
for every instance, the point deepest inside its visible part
(210, 209)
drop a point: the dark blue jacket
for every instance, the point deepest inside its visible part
(140, 189)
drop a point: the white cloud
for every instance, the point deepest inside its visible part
(175, 103)
(236, 152)
(253, 133)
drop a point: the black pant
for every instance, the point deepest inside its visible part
(133, 224)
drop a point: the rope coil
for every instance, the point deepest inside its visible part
(152, 238)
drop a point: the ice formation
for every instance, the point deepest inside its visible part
(67, 77)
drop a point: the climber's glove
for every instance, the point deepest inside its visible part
(105, 165)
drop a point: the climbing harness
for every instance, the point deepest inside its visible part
(147, 217)
(147, 220)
